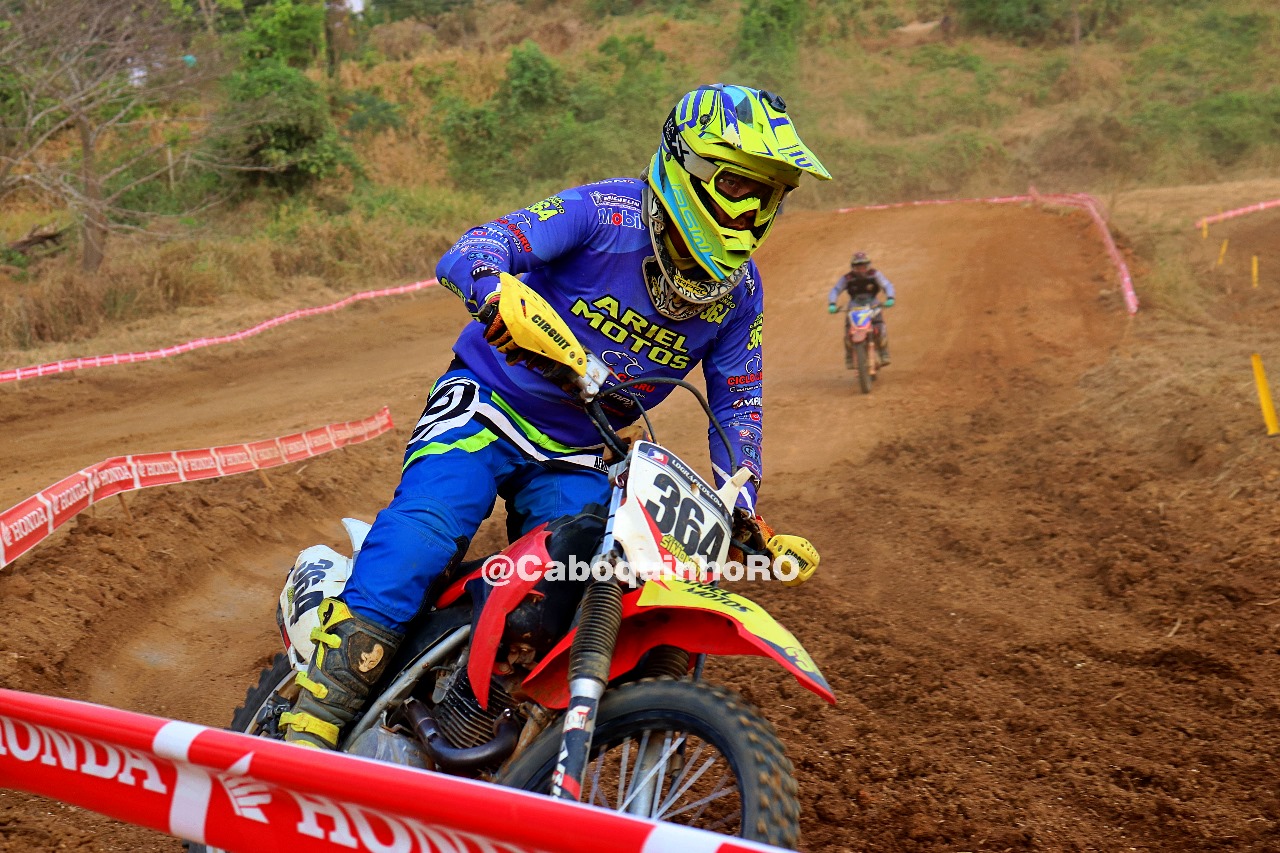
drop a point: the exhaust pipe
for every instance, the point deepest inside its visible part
(463, 760)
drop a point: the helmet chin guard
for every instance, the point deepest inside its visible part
(670, 287)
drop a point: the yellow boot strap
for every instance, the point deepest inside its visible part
(307, 724)
(315, 688)
(319, 635)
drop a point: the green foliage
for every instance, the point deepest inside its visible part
(544, 125)
(382, 11)
(1225, 127)
(228, 14)
(928, 104)
(280, 128)
(533, 80)
(768, 41)
(881, 172)
(13, 258)
(1041, 20)
(370, 113)
(675, 8)
(287, 31)
(937, 57)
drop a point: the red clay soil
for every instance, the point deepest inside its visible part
(1049, 598)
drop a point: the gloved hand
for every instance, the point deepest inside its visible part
(499, 337)
(831, 308)
(629, 435)
(752, 530)
(888, 303)
(496, 332)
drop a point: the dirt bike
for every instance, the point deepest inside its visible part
(864, 341)
(588, 688)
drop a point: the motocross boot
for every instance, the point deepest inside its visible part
(883, 350)
(351, 655)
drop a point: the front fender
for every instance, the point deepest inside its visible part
(693, 616)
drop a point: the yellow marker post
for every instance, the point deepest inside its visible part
(1255, 270)
(1204, 229)
(1222, 253)
(1264, 397)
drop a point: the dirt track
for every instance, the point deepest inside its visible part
(1046, 602)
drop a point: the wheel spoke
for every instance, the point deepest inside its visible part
(702, 804)
(658, 765)
(677, 793)
(640, 751)
(622, 768)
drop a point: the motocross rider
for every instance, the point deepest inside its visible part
(863, 283)
(652, 274)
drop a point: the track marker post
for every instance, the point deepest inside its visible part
(1255, 270)
(1222, 253)
(1264, 397)
(124, 505)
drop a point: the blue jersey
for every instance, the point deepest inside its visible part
(587, 252)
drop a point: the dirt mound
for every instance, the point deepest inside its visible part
(1048, 601)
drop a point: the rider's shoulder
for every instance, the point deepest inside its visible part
(613, 192)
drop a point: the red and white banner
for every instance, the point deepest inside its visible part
(49, 368)
(1080, 200)
(241, 793)
(1239, 211)
(30, 521)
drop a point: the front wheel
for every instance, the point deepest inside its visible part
(260, 714)
(682, 751)
(862, 355)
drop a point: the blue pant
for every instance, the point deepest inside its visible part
(468, 449)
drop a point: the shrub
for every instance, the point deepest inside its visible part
(370, 113)
(278, 129)
(1041, 20)
(288, 31)
(767, 40)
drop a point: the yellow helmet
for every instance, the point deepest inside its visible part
(729, 155)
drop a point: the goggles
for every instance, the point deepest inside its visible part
(734, 188)
(738, 192)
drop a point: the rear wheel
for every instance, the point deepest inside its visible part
(687, 752)
(862, 355)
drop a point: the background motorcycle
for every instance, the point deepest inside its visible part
(864, 341)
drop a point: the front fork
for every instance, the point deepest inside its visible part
(590, 658)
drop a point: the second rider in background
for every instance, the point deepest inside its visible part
(863, 283)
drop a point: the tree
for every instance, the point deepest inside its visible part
(211, 12)
(91, 99)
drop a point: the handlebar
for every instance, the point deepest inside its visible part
(611, 440)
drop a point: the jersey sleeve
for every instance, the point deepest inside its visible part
(521, 241)
(734, 371)
(885, 285)
(834, 296)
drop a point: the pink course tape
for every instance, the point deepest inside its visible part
(1239, 211)
(49, 368)
(25, 524)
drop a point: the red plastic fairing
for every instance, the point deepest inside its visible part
(643, 628)
(529, 555)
